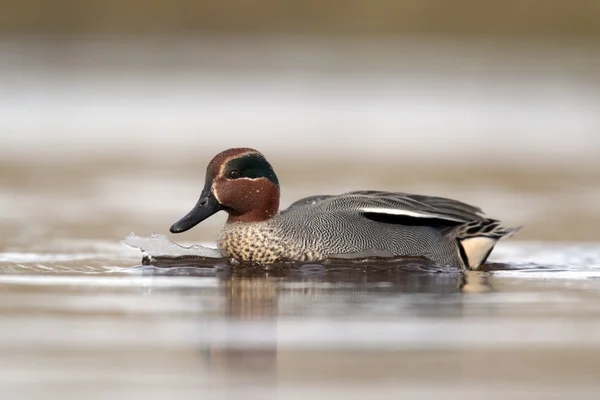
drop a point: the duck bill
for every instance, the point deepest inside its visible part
(207, 205)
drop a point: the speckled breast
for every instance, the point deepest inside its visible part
(258, 242)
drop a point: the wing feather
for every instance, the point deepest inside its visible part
(396, 207)
(415, 206)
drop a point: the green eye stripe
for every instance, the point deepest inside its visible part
(252, 166)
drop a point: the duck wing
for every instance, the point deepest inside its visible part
(408, 209)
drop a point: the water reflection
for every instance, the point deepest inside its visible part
(475, 282)
(246, 299)
(362, 276)
(255, 301)
(229, 329)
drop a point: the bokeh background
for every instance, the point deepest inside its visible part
(110, 110)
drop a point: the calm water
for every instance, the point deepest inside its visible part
(84, 318)
(82, 168)
(97, 324)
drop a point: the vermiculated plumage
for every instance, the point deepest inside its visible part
(241, 182)
(317, 227)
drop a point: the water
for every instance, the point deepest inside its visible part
(82, 316)
(101, 325)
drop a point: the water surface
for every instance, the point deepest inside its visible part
(100, 324)
(101, 139)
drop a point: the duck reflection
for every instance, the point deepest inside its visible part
(249, 303)
(245, 330)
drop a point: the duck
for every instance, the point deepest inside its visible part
(364, 223)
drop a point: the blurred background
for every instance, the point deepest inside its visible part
(110, 111)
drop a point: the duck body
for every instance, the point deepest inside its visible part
(333, 236)
(354, 224)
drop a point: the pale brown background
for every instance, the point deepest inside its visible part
(110, 110)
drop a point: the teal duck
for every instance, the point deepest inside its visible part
(242, 182)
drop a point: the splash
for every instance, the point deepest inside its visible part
(159, 245)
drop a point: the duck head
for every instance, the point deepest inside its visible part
(239, 181)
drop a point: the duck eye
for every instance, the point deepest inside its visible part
(234, 174)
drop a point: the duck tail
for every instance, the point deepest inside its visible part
(477, 239)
